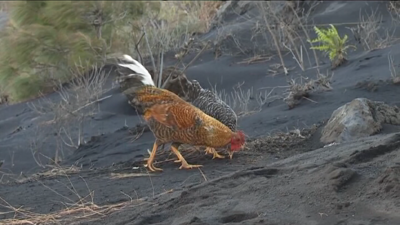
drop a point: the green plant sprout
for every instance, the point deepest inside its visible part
(332, 44)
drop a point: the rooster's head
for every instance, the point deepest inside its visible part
(237, 142)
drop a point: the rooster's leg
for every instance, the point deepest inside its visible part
(214, 152)
(184, 165)
(151, 159)
(178, 160)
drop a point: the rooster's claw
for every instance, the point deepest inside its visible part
(152, 167)
(214, 152)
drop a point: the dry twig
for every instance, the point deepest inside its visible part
(299, 91)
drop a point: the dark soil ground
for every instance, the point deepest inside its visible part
(283, 177)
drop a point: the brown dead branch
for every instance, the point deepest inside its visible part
(370, 34)
(195, 58)
(255, 59)
(128, 175)
(137, 48)
(393, 70)
(299, 91)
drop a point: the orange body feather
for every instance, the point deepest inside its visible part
(174, 120)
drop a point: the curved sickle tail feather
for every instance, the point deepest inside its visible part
(138, 70)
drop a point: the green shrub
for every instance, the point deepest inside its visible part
(332, 44)
(44, 40)
(26, 87)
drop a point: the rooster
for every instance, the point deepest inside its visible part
(173, 120)
(191, 91)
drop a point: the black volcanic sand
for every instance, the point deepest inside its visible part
(282, 178)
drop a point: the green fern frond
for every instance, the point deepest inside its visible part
(332, 55)
(321, 48)
(344, 40)
(322, 35)
(330, 42)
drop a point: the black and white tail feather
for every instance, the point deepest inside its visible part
(133, 69)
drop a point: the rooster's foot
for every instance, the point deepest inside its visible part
(184, 165)
(216, 155)
(150, 160)
(214, 152)
(152, 167)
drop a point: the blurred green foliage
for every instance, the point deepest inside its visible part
(48, 42)
(45, 39)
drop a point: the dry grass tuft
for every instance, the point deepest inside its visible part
(394, 9)
(207, 12)
(255, 59)
(279, 28)
(56, 171)
(84, 209)
(68, 216)
(393, 70)
(300, 91)
(129, 175)
(3, 98)
(173, 26)
(283, 142)
(79, 101)
(370, 34)
(246, 102)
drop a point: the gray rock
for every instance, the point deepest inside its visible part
(358, 118)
